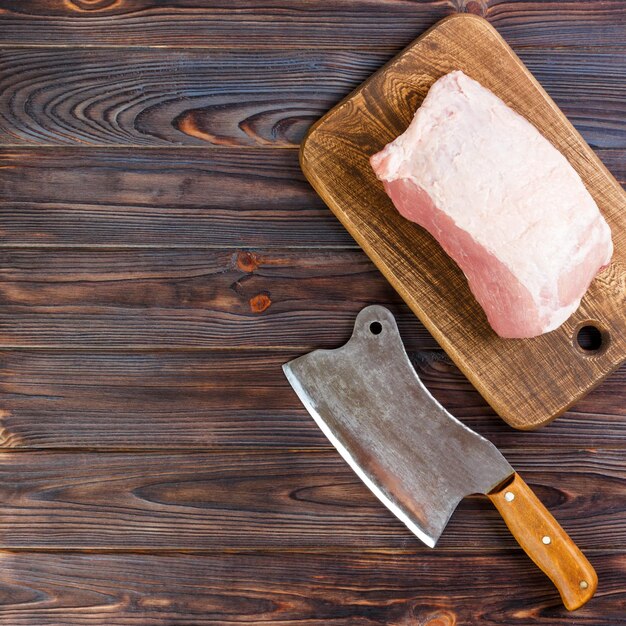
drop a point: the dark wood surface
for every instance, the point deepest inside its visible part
(224, 198)
(233, 399)
(160, 97)
(301, 24)
(284, 499)
(161, 256)
(335, 588)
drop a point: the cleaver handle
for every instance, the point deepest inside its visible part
(545, 542)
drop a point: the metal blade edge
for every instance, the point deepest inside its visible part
(345, 454)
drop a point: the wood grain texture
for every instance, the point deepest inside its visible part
(546, 543)
(191, 298)
(235, 399)
(238, 469)
(290, 499)
(231, 97)
(528, 382)
(361, 589)
(160, 97)
(168, 197)
(222, 197)
(302, 24)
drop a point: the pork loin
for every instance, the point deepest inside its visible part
(502, 201)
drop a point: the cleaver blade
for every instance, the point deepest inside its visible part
(417, 458)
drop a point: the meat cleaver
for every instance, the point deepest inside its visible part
(417, 458)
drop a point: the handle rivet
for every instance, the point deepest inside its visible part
(547, 540)
(509, 496)
(584, 584)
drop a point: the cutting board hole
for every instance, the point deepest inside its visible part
(376, 328)
(590, 339)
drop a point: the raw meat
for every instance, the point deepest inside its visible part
(502, 202)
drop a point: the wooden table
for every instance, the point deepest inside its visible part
(162, 256)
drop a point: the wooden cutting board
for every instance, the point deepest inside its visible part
(527, 381)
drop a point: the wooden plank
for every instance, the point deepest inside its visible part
(165, 196)
(190, 298)
(530, 381)
(310, 23)
(234, 97)
(234, 399)
(220, 197)
(153, 501)
(159, 97)
(364, 588)
(293, 499)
